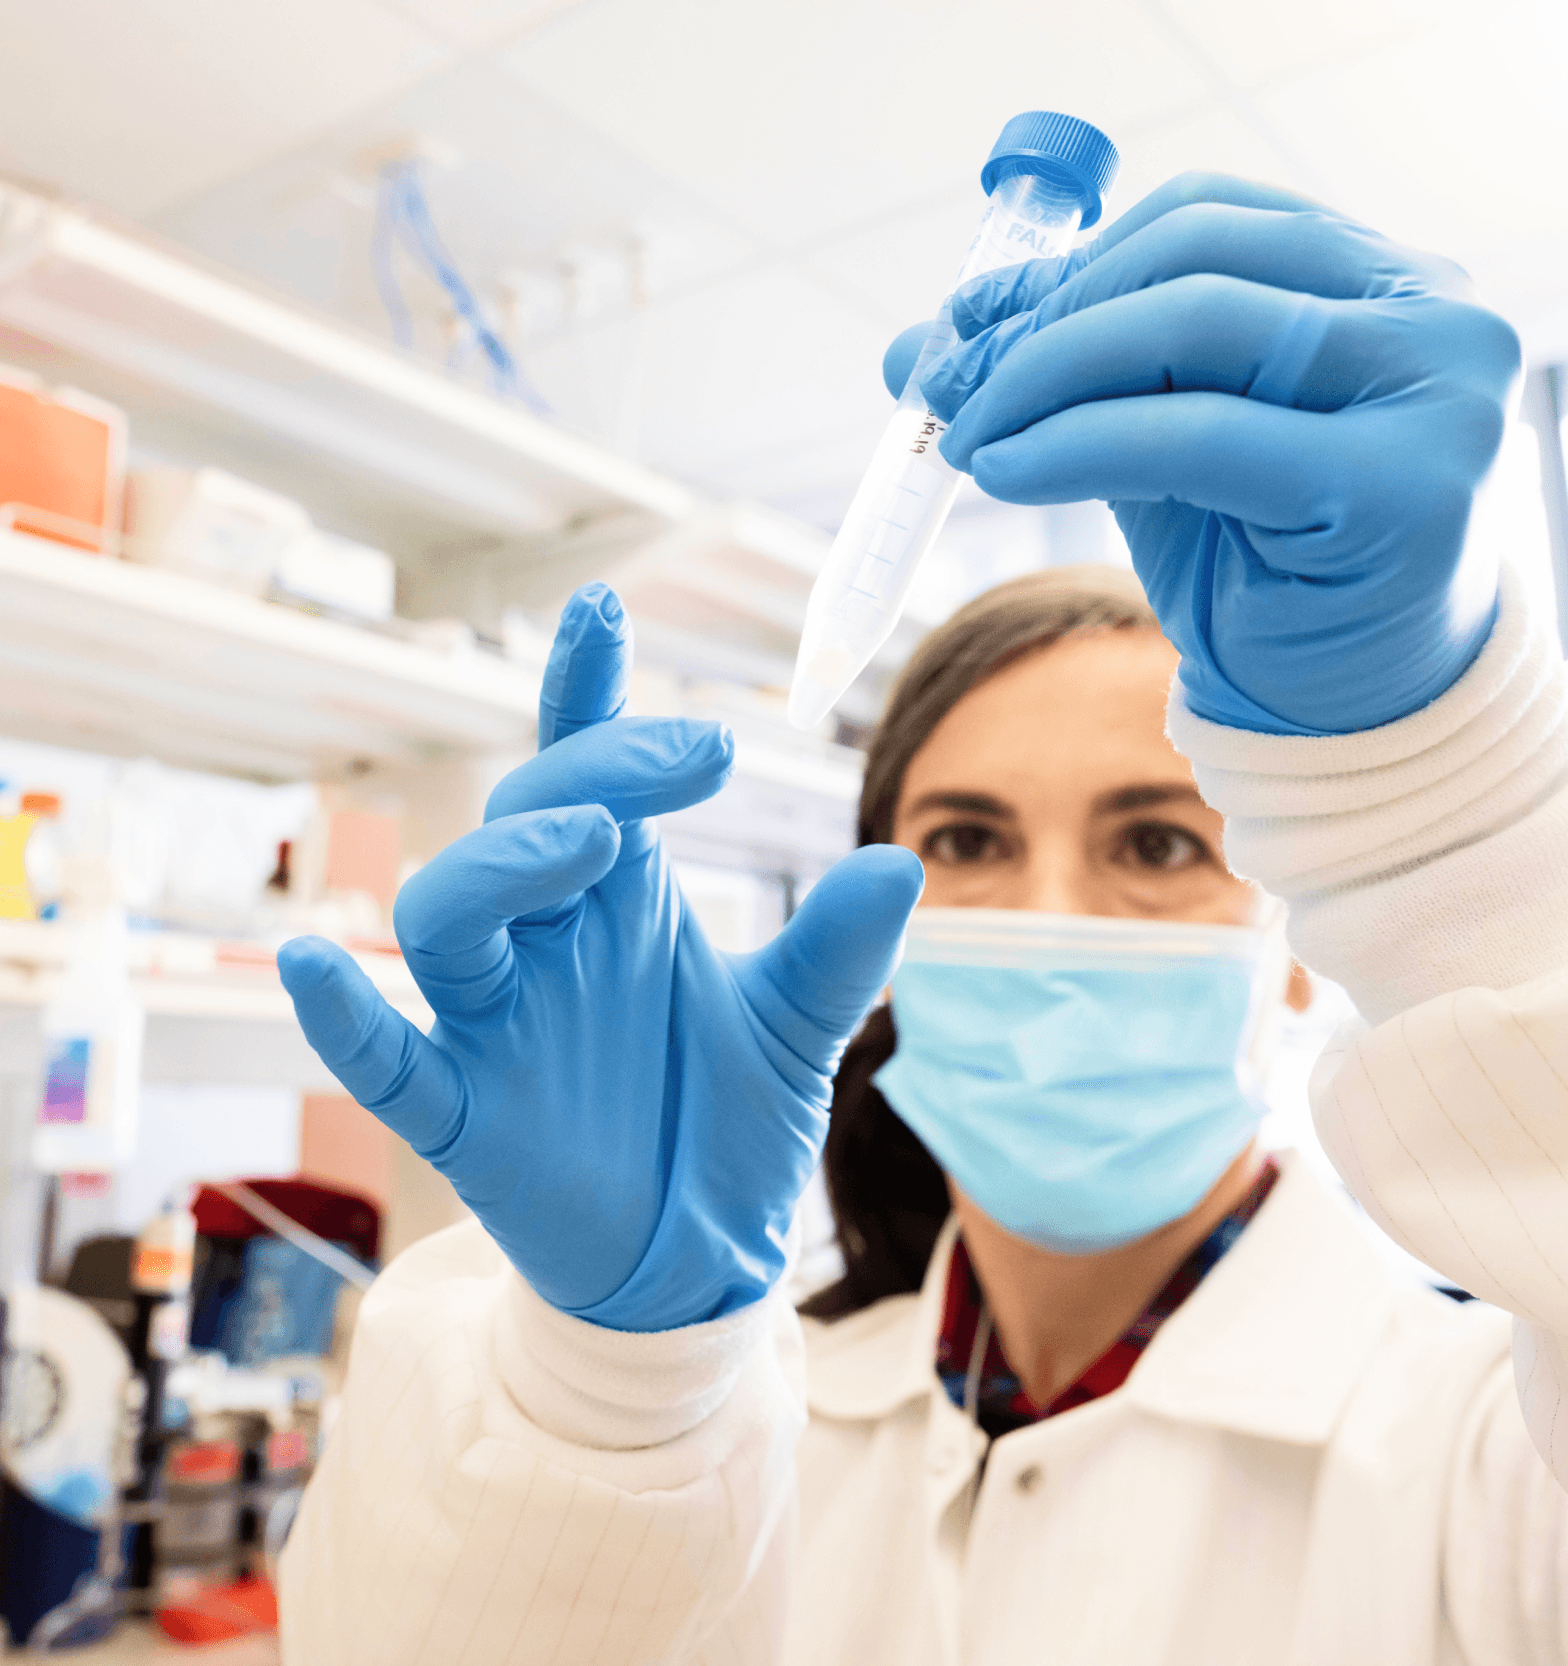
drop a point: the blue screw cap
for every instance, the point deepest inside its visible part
(1055, 146)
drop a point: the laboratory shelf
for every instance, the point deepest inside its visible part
(179, 343)
(119, 658)
(216, 1012)
(471, 493)
(482, 504)
(181, 975)
(114, 657)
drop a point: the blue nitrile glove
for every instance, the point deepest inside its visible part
(631, 1114)
(1289, 415)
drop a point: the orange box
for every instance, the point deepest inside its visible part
(62, 462)
(362, 854)
(343, 1145)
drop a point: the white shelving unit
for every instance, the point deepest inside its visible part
(217, 1012)
(481, 503)
(112, 657)
(175, 975)
(202, 355)
(478, 499)
(117, 658)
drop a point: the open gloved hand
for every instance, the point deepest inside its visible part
(630, 1114)
(1290, 416)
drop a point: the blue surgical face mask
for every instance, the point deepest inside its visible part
(1084, 1080)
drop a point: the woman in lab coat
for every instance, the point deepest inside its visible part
(1141, 1394)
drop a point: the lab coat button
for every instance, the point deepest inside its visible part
(1028, 1478)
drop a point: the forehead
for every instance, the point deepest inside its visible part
(1081, 715)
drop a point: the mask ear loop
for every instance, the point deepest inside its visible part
(977, 1352)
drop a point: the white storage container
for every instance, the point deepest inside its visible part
(340, 574)
(211, 524)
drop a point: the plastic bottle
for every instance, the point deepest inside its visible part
(16, 827)
(162, 1263)
(92, 1031)
(44, 854)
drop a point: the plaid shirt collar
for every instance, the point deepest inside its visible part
(1002, 1404)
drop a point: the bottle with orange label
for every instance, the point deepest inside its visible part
(44, 855)
(162, 1262)
(163, 1259)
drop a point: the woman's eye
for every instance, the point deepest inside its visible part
(1156, 845)
(957, 845)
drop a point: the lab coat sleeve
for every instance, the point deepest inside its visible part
(1426, 869)
(507, 1484)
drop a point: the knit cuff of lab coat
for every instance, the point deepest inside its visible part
(620, 1390)
(1427, 855)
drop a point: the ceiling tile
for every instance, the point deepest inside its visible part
(530, 184)
(904, 265)
(1455, 141)
(475, 22)
(804, 118)
(735, 380)
(814, 476)
(1253, 41)
(1215, 138)
(765, 387)
(137, 106)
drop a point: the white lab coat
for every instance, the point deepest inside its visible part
(1310, 1464)
(1314, 1462)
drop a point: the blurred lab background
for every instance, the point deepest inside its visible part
(339, 340)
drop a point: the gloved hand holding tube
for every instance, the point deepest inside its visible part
(631, 1115)
(1290, 416)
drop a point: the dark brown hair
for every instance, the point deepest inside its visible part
(888, 1195)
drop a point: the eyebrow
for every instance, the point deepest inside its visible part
(1145, 797)
(968, 804)
(1140, 797)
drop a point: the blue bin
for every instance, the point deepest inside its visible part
(43, 1556)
